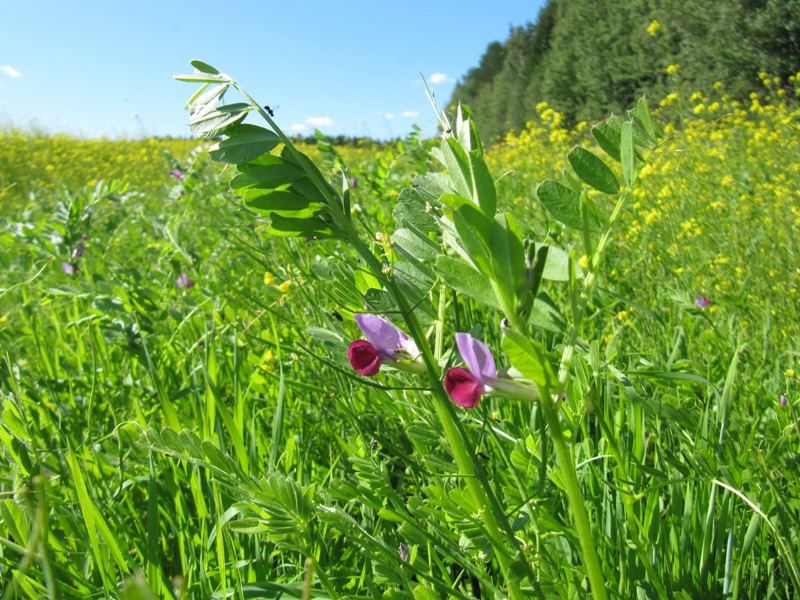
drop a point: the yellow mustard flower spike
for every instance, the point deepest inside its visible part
(285, 287)
(269, 278)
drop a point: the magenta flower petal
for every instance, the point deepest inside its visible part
(385, 336)
(463, 387)
(477, 356)
(364, 357)
(69, 269)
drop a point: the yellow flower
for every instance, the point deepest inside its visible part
(583, 262)
(789, 372)
(285, 286)
(653, 27)
(672, 69)
(269, 278)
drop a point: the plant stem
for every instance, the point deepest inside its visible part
(469, 468)
(580, 517)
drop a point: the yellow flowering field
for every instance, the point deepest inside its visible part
(713, 225)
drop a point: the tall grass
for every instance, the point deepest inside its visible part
(211, 440)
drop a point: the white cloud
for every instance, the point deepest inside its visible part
(386, 115)
(409, 113)
(297, 127)
(11, 71)
(320, 121)
(437, 78)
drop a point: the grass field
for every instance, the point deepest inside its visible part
(180, 419)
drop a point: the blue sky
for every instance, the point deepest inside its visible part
(349, 67)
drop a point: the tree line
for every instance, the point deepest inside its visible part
(587, 58)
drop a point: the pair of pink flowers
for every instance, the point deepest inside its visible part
(385, 343)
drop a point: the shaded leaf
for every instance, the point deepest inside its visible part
(561, 202)
(592, 170)
(245, 142)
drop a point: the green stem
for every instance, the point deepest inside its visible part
(580, 517)
(469, 468)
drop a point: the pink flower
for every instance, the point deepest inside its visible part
(385, 343)
(463, 387)
(466, 387)
(184, 282)
(365, 358)
(701, 301)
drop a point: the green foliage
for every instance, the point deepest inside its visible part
(586, 58)
(213, 441)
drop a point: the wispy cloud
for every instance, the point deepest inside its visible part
(297, 127)
(409, 113)
(11, 71)
(320, 121)
(386, 115)
(437, 78)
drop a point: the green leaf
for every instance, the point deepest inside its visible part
(192, 446)
(248, 525)
(203, 67)
(473, 230)
(608, 138)
(561, 202)
(413, 212)
(556, 267)
(171, 440)
(313, 228)
(458, 168)
(626, 152)
(245, 142)
(198, 77)
(283, 203)
(529, 358)
(424, 593)
(217, 458)
(545, 315)
(645, 120)
(592, 170)
(210, 124)
(267, 172)
(206, 99)
(414, 245)
(482, 184)
(466, 280)
(507, 258)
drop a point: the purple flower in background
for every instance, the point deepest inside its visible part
(385, 343)
(354, 183)
(783, 401)
(80, 248)
(467, 386)
(176, 173)
(404, 554)
(184, 282)
(701, 301)
(69, 268)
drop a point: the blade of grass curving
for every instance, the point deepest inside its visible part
(787, 553)
(277, 421)
(96, 526)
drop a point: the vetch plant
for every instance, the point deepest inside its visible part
(452, 234)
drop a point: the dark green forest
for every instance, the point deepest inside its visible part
(587, 58)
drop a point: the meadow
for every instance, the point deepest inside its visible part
(180, 418)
